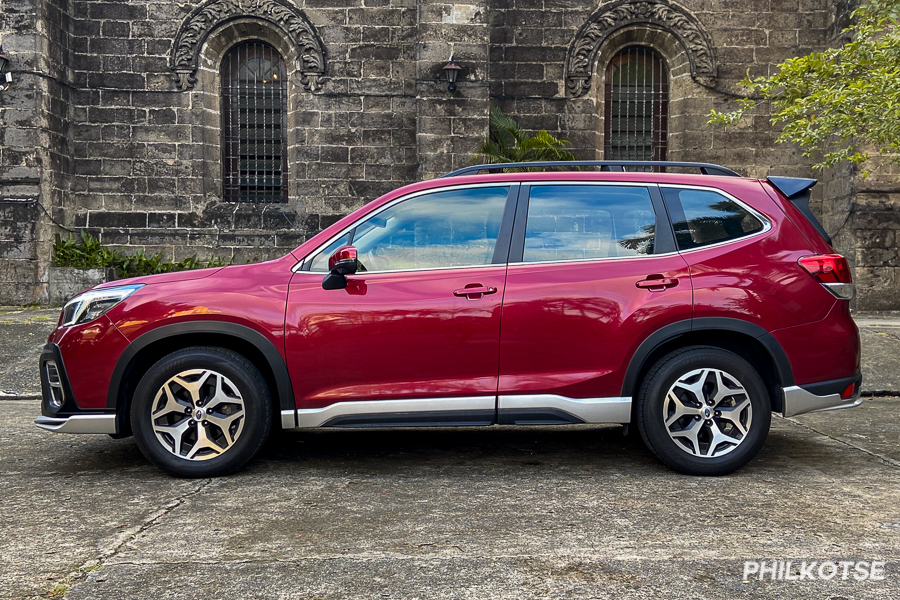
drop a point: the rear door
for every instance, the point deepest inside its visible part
(414, 338)
(593, 271)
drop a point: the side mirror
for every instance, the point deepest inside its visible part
(340, 264)
(343, 261)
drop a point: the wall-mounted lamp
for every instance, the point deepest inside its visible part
(5, 76)
(451, 70)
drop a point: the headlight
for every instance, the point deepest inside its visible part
(94, 303)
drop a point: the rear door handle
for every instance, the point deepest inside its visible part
(475, 291)
(657, 283)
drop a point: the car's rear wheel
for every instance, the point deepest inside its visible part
(704, 411)
(201, 412)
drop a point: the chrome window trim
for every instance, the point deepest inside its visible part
(592, 260)
(365, 273)
(296, 268)
(603, 258)
(767, 223)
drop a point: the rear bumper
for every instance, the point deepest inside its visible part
(801, 399)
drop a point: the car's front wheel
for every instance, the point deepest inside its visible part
(201, 412)
(704, 411)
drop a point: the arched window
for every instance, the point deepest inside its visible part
(254, 94)
(637, 105)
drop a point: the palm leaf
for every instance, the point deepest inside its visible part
(506, 143)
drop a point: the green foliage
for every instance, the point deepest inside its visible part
(507, 143)
(839, 101)
(89, 253)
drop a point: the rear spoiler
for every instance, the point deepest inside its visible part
(797, 191)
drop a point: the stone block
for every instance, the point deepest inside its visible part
(124, 11)
(161, 220)
(66, 282)
(117, 219)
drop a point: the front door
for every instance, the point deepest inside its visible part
(593, 271)
(414, 337)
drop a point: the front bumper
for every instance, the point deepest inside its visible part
(60, 411)
(817, 397)
(79, 424)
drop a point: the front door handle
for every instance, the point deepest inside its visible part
(475, 291)
(657, 283)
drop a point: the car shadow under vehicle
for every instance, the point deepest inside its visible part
(578, 450)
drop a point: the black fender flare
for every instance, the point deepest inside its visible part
(674, 330)
(284, 390)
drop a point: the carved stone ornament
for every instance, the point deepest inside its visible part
(614, 16)
(215, 13)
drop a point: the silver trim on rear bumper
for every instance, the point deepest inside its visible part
(79, 424)
(798, 401)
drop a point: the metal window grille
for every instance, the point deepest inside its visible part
(254, 98)
(637, 105)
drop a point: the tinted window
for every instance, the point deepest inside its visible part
(320, 261)
(571, 222)
(702, 217)
(445, 229)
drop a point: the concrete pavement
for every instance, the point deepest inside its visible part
(23, 333)
(551, 512)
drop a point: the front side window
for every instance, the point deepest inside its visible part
(582, 222)
(254, 95)
(320, 260)
(704, 217)
(636, 105)
(452, 228)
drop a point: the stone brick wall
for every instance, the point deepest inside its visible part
(874, 223)
(530, 40)
(98, 132)
(146, 173)
(35, 153)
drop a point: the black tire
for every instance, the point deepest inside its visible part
(707, 453)
(242, 405)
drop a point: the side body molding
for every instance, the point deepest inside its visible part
(284, 390)
(670, 332)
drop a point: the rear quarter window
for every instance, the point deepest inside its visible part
(704, 217)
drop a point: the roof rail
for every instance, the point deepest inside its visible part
(605, 165)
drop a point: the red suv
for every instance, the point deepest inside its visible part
(692, 304)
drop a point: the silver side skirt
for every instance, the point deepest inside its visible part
(288, 419)
(523, 409)
(585, 410)
(79, 424)
(317, 417)
(798, 401)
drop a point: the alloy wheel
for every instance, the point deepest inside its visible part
(198, 414)
(707, 413)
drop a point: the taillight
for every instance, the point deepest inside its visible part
(832, 271)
